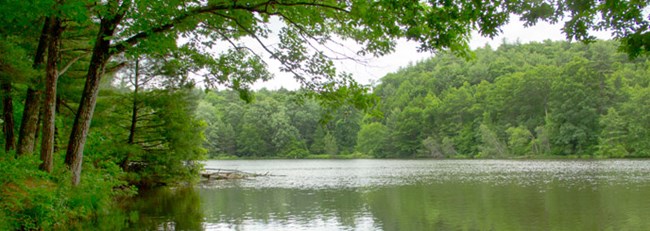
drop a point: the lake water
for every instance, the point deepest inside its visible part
(408, 195)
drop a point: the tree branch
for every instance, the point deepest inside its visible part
(76, 49)
(259, 41)
(62, 71)
(304, 32)
(141, 116)
(151, 126)
(120, 47)
(66, 105)
(115, 68)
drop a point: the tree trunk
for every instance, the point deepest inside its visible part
(29, 123)
(79, 132)
(57, 111)
(134, 115)
(49, 102)
(38, 125)
(8, 116)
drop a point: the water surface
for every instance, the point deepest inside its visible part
(409, 195)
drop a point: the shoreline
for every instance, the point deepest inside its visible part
(367, 157)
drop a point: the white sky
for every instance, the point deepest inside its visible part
(406, 53)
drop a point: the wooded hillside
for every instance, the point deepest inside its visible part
(550, 98)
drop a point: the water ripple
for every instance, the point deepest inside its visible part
(317, 174)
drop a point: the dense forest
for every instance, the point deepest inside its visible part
(101, 98)
(537, 99)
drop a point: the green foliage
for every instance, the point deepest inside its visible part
(518, 100)
(371, 139)
(638, 120)
(295, 150)
(15, 65)
(613, 136)
(537, 99)
(491, 146)
(329, 145)
(166, 143)
(577, 100)
(174, 158)
(33, 199)
(432, 148)
(519, 140)
(277, 124)
(435, 107)
(406, 133)
(624, 132)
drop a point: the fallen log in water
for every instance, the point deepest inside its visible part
(227, 174)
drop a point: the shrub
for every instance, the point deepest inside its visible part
(31, 199)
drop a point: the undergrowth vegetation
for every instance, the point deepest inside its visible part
(31, 199)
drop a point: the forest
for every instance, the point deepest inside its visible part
(537, 100)
(104, 99)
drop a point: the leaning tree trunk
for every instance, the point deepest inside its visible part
(79, 132)
(29, 123)
(8, 116)
(49, 102)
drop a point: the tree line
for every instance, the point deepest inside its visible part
(538, 99)
(278, 123)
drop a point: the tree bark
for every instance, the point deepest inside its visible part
(57, 110)
(39, 122)
(29, 123)
(79, 132)
(8, 116)
(49, 101)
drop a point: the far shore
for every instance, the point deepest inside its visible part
(461, 157)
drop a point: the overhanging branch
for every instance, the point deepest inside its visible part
(120, 47)
(268, 50)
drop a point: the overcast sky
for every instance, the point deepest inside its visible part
(406, 53)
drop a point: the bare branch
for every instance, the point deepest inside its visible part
(66, 105)
(76, 49)
(259, 41)
(151, 126)
(62, 71)
(304, 32)
(232, 43)
(115, 68)
(143, 115)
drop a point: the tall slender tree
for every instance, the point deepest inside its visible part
(8, 115)
(134, 113)
(49, 102)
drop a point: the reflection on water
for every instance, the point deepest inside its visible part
(166, 209)
(408, 195)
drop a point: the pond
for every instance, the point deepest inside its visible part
(408, 195)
